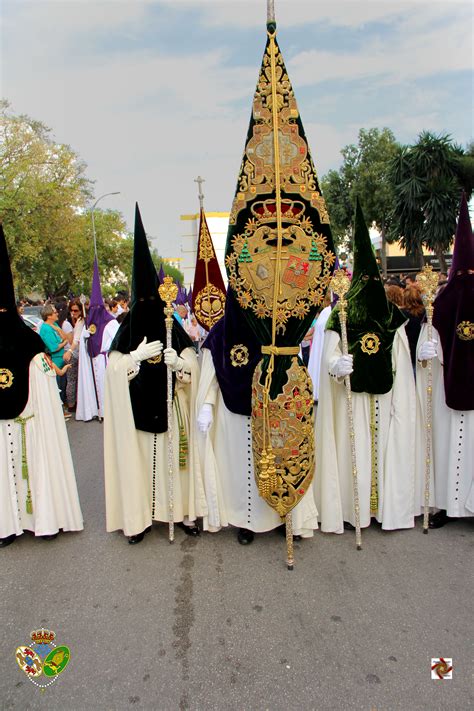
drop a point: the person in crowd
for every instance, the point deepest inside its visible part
(38, 490)
(230, 355)
(55, 341)
(137, 468)
(451, 351)
(414, 310)
(95, 341)
(71, 355)
(394, 294)
(383, 406)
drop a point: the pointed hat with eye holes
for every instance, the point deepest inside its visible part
(371, 319)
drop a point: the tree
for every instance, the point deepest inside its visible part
(44, 194)
(426, 181)
(363, 174)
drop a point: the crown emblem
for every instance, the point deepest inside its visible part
(266, 210)
(42, 636)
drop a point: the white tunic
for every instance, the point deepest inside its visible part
(50, 468)
(314, 363)
(227, 463)
(86, 391)
(452, 444)
(132, 455)
(395, 445)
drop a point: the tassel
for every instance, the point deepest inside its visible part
(29, 503)
(183, 447)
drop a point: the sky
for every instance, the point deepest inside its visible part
(153, 93)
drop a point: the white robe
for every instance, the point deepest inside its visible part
(395, 418)
(50, 468)
(316, 352)
(129, 454)
(227, 464)
(86, 391)
(452, 475)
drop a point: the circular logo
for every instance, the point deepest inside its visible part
(92, 329)
(209, 305)
(29, 661)
(6, 378)
(465, 331)
(370, 343)
(239, 355)
(56, 661)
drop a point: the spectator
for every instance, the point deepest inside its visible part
(414, 310)
(72, 355)
(54, 340)
(394, 294)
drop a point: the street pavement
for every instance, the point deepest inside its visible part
(208, 624)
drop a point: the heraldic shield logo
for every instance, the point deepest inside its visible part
(43, 660)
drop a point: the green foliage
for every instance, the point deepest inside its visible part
(364, 174)
(43, 197)
(426, 179)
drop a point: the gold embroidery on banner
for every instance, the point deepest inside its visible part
(209, 305)
(206, 250)
(305, 268)
(370, 343)
(465, 331)
(257, 172)
(284, 474)
(6, 378)
(239, 355)
(92, 329)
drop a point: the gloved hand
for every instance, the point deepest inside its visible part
(146, 350)
(427, 350)
(205, 417)
(342, 366)
(86, 333)
(172, 359)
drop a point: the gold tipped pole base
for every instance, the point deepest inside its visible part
(290, 560)
(425, 530)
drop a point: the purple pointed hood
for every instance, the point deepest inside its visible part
(453, 318)
(161, 274)
(98, 317)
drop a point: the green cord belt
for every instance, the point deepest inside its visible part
(24, 461)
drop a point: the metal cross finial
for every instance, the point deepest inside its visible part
(200, 181)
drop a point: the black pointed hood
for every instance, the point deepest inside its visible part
(146, 318)
(18, 344)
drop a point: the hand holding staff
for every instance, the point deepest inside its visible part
(340, 284)
(168, 292)
(428, 281)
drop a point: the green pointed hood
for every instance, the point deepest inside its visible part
(371, 319)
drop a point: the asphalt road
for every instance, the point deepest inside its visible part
(209, 624)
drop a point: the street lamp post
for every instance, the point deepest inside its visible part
(92, 216)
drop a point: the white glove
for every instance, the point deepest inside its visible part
(342, 367)
(86, 332)
(172, 359)
(427, 350)
(146, 350)
(205, 417)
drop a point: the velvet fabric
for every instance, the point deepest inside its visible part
(235, 381)
(207, 272)
(148, 390)
(98, 315)
(18, 344)
(368, 311)
(453, 306)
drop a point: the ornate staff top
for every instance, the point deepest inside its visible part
(428, 281)
(271, 22)
(340, 283)
(200, 181)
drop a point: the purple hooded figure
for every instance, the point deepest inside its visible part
(98, 316)
(161, 274)
(453, 318)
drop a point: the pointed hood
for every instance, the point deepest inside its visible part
(371, 319)
(235, 353)
(18, 344)
(453, 318)
(98, 316)
(146, 319)
(161, 274)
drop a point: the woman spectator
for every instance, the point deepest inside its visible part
(394, 294)
(72, 355)
(55, 340)
(414, 310)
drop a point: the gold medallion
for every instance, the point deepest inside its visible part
(6, 378)
(465, 331)
(155, 360)
(239, 355)
(92, 329)
(370, 343)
